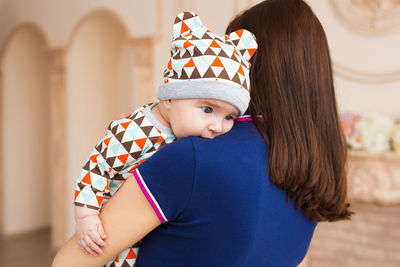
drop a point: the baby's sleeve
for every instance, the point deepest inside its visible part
(167, 178)
(107, 159)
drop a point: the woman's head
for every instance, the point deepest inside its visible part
(292, 66)
(292, 88)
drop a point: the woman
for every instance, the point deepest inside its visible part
(254, 195)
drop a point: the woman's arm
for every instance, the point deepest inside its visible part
(126, 218)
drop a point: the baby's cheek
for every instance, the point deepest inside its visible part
(228, 126)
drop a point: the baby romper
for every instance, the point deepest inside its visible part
(129, 142)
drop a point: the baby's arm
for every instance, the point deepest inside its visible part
(122, 224)
(91, 185)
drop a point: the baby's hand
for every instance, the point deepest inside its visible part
(90, 233)
(125, 115)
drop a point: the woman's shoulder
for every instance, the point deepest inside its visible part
(243, 138)
(230, 157)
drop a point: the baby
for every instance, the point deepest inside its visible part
(206, 87)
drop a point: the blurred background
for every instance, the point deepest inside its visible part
(67, 68)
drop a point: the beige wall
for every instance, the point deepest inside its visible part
(363, 63)
(59, 18)
(25, 123)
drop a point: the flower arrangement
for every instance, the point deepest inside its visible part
(371, 132)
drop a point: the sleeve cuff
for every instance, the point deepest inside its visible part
(153, 202)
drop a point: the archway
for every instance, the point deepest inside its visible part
(25, 131)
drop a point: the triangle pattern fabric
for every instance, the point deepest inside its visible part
(197, 53)
(126, 258)
(127, 142)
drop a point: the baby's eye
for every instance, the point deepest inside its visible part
(207, 109)
(229, 117)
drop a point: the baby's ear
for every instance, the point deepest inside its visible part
(245, 42)
(166, 103)
(185, 23)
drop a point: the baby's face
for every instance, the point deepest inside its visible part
(206, 118)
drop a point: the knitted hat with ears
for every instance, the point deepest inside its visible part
(206, 65)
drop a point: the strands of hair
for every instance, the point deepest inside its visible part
(292, 88)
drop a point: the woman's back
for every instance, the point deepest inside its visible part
(221, 208)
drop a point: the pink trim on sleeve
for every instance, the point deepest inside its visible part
(244, 118)
(149, 196)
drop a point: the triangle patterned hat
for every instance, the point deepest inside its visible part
(206, 65)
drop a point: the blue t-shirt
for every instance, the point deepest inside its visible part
(218, 206)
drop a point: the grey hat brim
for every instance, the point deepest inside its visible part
(206, 89)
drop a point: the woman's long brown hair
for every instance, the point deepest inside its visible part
(292, 89)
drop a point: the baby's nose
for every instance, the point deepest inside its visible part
(216, 127)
